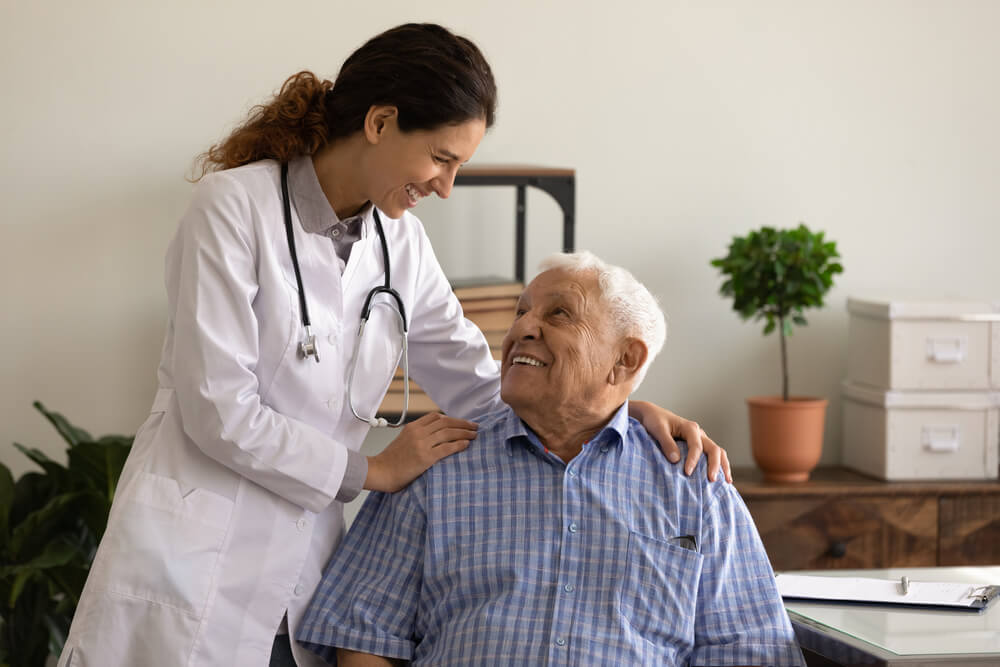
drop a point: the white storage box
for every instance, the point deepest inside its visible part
(927, 346)
(899, 435)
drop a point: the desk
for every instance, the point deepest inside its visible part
(883, 636)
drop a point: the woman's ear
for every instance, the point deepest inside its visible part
(632, 355)
(379, 117)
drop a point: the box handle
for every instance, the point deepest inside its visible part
(947, 349)
(941, 438)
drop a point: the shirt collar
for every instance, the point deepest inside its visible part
(315, 212)
(613, 432)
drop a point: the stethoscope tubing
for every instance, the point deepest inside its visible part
(308, 346)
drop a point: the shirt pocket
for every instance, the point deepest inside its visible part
(659, 590)
(163, 546)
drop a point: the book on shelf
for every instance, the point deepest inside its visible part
(487, 287)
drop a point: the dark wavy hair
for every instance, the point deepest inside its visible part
(432, 76)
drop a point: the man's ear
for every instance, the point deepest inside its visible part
(376, 120)
(632, 354)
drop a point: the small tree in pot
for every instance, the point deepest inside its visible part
(775, 275)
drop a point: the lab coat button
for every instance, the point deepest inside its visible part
(299, 590)
(332, 338)
(332, 403)
(301, 524)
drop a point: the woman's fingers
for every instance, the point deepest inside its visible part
(690, 432)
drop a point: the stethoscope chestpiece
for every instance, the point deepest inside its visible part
(308, 347)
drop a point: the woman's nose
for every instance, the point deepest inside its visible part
(443, 183)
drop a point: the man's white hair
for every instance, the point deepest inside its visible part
(631, 306)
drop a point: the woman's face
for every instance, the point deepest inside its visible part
(405, 167)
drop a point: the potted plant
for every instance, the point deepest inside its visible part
(775, 275)
(51, 521)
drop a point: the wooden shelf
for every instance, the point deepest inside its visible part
(842, 519)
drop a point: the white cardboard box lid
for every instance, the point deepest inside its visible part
(891, 309)
(941, 400)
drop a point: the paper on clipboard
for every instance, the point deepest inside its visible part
(942, 595)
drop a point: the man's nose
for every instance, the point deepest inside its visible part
(526, 327)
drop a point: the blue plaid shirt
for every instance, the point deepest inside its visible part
(504, 555)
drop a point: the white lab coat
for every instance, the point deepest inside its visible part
(225, 513)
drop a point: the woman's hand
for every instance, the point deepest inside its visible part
(422, 443)
(664, 425)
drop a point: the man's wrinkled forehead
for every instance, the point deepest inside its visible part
(560, 284)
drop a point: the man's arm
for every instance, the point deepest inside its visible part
(347, 658)
(740, 619)
(368, 598)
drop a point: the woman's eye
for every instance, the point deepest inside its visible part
(440, 160)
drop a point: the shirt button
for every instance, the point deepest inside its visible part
(335, 233)
(561, 642)
(569, 588)
(572, 473)
(604, 450)
(572, 527)
(301, 524)
(299, 590)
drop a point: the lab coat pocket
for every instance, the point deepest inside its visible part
(163, 545)
(659, 589)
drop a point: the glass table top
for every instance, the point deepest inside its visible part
(903, 631)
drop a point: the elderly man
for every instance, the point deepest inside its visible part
(561, 536)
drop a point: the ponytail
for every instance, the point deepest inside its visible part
(292, 124)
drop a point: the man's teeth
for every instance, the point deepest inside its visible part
(528, 360)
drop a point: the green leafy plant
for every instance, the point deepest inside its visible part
(51, 522)
(774, 275)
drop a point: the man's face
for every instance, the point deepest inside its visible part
(561, 349)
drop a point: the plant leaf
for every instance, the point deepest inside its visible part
(6, 503)
(71, 434)
(38, 527)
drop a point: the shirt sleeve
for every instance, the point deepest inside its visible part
(740, 619)
(370, 592)
(449, 356)
(211, 285)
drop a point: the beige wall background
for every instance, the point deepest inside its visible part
(687, 123)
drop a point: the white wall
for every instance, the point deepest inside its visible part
(687, 123)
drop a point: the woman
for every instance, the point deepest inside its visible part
(232, 498)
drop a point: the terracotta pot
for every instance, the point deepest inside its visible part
(786, 437)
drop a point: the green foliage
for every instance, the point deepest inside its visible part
(776, 274)
(50, 525)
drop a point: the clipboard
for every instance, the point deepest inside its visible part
(944, 596)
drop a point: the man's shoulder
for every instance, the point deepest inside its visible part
(652, 454)
(484, 450)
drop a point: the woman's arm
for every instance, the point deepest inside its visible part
(664, 426)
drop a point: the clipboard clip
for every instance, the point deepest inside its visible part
(983, 593)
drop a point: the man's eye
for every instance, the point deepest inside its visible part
(440, 160)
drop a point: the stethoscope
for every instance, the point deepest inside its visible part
(307, 348)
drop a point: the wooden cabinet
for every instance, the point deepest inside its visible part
(841, 519)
